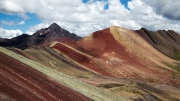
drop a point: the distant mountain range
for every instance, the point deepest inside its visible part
(136, 64)
(167, 42)
(43, 36)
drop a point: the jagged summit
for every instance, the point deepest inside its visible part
(43, 36)
(54, 26)
(55, 33)
(62, 32)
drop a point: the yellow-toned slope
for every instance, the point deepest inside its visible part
(136, 45)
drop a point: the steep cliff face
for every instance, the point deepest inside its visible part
(42, 37)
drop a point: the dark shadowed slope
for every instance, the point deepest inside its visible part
(42, 37)
(18, 42)
(167, 42)
(20, 82)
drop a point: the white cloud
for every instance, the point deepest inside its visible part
(10, 7)
(84, 19)
(9, 33)
(145, 16)
(33, 29)
(21, 23)
(9, 23)
(168, 8)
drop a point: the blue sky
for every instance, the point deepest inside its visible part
(124, 2)
(33, 19)
(86, 16)
(30, 21)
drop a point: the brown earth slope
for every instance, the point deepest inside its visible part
(52, 59)
(121, 53)
(146, 54)
(19, 82)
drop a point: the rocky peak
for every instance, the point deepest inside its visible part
(56, 30)
(53, 33)
(54, 26)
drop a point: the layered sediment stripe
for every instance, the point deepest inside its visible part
(81, 87)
